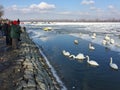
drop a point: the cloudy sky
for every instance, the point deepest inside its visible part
(61, 9)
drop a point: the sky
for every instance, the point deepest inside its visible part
(61, 9)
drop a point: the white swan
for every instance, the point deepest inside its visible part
(65, 53)
(91, 62)
(113, 65)
(93, 36)
(104, 42)
(112, 41)
(76, 41)
(117, 45)
(80, 56)
(91, 47)
(107, 38)
(80, 34)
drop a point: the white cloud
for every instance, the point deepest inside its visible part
(92, 8)
(111, 7)
(42, 5)
(114, 11)
(96, 9)
(87, 2)
(29, 11)
(14, 7)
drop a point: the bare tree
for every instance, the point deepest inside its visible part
(1, 11)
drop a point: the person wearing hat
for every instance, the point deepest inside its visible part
(15, 30)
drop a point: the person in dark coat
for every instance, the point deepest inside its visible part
(0, 29)
(18, 21)
(6, 28)
(15, 30)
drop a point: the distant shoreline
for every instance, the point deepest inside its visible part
(90, 21)
(65, 23)
(61, 22)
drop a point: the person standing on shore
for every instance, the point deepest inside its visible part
(20, 29)
(0, 29)
(6, 28)
(15, 30)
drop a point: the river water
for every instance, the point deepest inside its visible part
(78, 74)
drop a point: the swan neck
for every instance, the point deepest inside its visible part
(72, 56)
(88, 58)
(110, 60)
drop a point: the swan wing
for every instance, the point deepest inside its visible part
(80, 56)
(65, 53)
(114, 66)
(93, 37)
(91, 47)
(93, 63)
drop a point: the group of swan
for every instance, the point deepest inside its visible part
(92, 62)
(81, 56)
(108, 40)
(91, 47)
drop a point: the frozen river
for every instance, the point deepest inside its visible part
(78, 74)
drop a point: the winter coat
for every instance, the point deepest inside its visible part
(15, 31)
(6, 29)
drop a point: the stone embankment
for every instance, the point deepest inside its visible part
(36, 73)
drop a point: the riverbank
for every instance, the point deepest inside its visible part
(24, 68)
